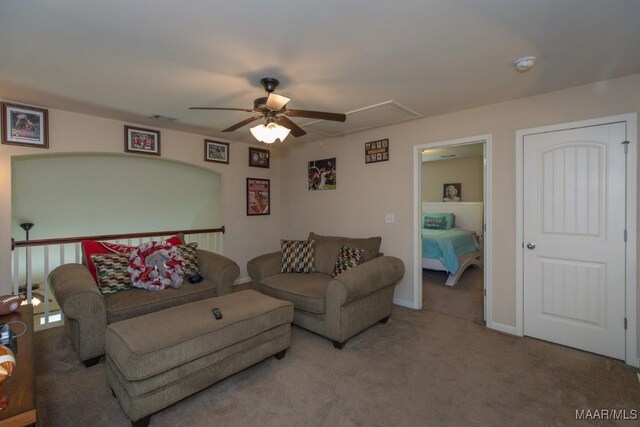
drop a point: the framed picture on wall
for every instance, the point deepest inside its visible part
(258, 158)
(322, 174)
(141, 141)
(376, 151)
(258, 196)
(452, 192)
(24, 125)
(215, 151)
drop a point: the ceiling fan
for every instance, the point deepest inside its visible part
(273, 110)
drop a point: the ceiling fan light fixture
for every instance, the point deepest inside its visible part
(269, 133)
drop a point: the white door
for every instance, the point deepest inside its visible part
(574, 246)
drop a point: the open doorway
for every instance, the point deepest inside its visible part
(452, 237)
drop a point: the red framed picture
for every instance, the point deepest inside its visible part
(258, 196)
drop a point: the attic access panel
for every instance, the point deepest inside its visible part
(383, 114)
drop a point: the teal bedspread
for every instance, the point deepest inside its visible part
(448, 245)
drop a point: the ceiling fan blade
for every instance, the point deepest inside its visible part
(242, 123)
(221, 108)
(336, 117)
(294, 128)
(276, 102)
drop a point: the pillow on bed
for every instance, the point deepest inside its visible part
(429, 217)
(435, 223)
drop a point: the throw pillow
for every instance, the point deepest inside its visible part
(90, 247)
(450, 218)
(435, 223)
(111, 271)
(297, 256)
(189, 255)
(155, 266)
(347, 259)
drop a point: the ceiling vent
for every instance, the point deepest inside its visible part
(383, 114)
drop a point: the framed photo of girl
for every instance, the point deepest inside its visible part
(258, 196)
(141, 141)
(24, 125)
(215, 151)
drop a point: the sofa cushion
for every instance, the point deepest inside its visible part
(347, 259)
(111, 272)
(306, 291)
(297, 256)
(136, 302)
(327, 248)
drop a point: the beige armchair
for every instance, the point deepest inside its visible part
(336, 308)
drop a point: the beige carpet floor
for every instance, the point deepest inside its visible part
(464, 300)
(420, 369)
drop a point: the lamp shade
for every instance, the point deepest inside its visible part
(269, 133)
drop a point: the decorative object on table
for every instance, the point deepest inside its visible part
(7, 365)
(258, 158)
(258, 196)
(142, 141)
(272, 109)
(452, 192)
(9, 303)
(24, 125)
(216, 151)
(376, 151)
(322, 174)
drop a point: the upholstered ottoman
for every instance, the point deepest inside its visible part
(160, 358)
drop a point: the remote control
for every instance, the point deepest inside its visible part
(217, 313)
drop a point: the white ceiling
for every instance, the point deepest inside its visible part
(131, 59)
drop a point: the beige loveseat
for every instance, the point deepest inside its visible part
(87, 312)
(337, 308)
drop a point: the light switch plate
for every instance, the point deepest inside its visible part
(389, 218)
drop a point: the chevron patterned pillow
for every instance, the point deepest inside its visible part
(111, 272)
(297, 256)
(347, 259)
(190, 257)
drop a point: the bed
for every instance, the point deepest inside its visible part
(453, 249)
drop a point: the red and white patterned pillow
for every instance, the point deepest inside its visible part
(90, 247)
(156, 266)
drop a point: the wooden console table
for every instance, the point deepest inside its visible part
(20, 386)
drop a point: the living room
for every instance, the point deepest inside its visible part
(88, 117)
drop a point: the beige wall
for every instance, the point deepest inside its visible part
(245, 238)
(366, 192)
(467, 171)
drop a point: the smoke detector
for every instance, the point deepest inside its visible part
(525, 63)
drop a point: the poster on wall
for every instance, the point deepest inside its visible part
(322, 174)
(258, 196)
(452, 192)
(24, 125)
(376, 151)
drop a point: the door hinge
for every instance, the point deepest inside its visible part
(626, 146)
(625, 323)
(625, 235)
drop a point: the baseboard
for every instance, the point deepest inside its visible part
(242, 280)
(501, 327)
(404, 303)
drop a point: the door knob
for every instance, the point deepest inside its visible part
(531, 245)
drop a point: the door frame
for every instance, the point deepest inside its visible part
(417, 217)
(631, 303)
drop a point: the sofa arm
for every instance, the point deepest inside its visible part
(364, 280)
(218, 269)
(264, 266)
(80, 300)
